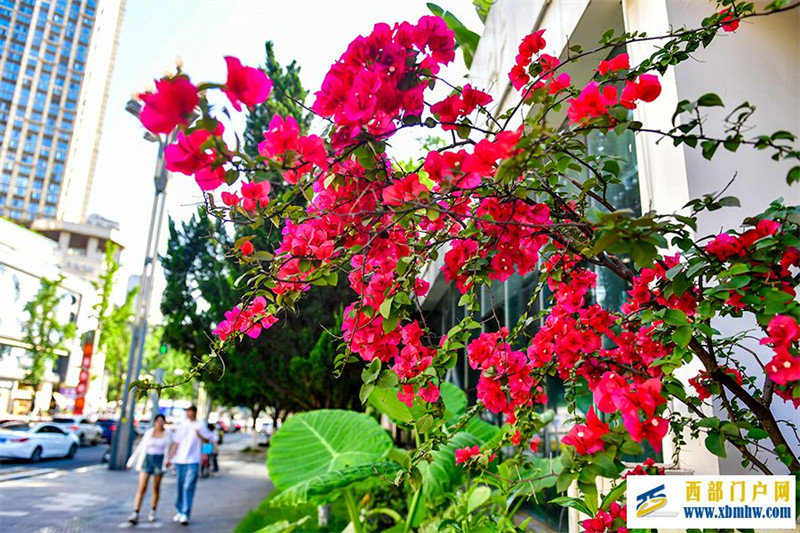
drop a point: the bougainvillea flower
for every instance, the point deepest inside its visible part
(465, 454)
(209, 178)
(170, 105)
(245, 85)
(649, 87)
(246, 248)
(587, 438)
(729, 22)
(783, 368)
(187, 155)
(255, 194)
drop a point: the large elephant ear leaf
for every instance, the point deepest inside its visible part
(311, 444)
(442, 475)
(322, 488)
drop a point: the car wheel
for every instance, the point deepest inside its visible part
(82, 439)
(73, 449)
(36, 456)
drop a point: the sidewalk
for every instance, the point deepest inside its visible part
(96, 499)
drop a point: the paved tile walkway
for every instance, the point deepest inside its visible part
(96, 499)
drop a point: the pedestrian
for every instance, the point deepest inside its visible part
(148, 459)
(185, 454)
(215, 441)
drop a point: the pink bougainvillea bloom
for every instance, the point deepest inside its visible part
(246, 248)
(465, 454)
(729, 22)
(784, 369)
(619, 62)
(724, 246)
(245, 85)
(783, 331)
(587, 438)
(406, 395)
(649, 87)
(429, 393)
(534, 445)
(255, 194)
(187, 155)
(652, 429)
(172, 104)
(209, 178)
(230, 199)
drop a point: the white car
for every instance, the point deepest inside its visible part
(88, 432)
(35, 441)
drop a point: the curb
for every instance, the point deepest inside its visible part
(33, 472)
(37, 472)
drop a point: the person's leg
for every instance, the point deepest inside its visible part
(181, 476)
(189, 485)
(216, 464)
(156, 490)
(143, 479)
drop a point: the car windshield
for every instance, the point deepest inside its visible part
(62, 419)
(15, 426)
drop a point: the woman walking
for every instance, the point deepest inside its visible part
(148, 459)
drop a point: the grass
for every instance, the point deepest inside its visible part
(264, 515)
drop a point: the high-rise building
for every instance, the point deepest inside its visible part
(55, 67)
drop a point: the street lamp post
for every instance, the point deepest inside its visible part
(123, 437)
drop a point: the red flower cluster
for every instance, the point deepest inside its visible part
(593, 102)
(727, 245)
(465, 454)
(587, 438)
(607, 522)
(456, 106)
(645, 290)
(379, 78)
(464, 170)
(702, 381)
(195, 154)
(532, 44)
(784, 368)
(245, 85)
(170, 106)
(284, 143)
(617, 63)
(729, 21)
(250, 321)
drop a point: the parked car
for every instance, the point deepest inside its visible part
(35, 441)
(88, 432)
(109, 426)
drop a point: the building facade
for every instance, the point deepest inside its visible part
(55, 67)
(760, 63)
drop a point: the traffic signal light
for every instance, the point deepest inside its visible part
(164, 348)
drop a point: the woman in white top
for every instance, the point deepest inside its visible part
(148, 459)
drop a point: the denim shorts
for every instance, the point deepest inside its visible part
(153, 464)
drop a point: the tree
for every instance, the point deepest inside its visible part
(114, 327)
(288, 97)
(44, 332)
(499, 200)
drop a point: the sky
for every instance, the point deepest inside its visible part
(155, 32)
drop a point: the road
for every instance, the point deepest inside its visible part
(95, 499)
(86, 456)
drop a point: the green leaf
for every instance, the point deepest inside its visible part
(793, 175)
(710, 100)
(321, 487)
(715, 443)
(675, 317)
(455, 400)
(483, 430)
(682, 336)
(709, 148)
(615, 494)
(366, 390)
(370, 373)
(385, 400)
(314, 443)
(573, 503)
(478, 497)
(283, 526)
